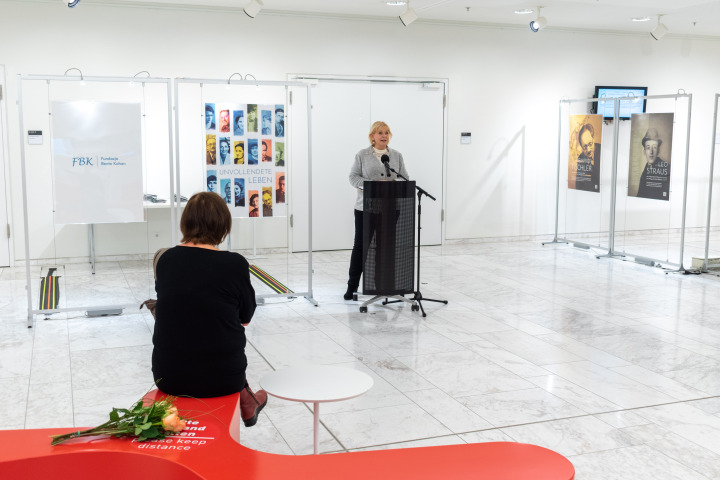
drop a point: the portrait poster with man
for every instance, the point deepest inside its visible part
(650, 155)
(245, 157)
(584, 152)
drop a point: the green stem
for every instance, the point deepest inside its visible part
(100, 430)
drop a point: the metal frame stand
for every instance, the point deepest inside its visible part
(611, 240)
(704, 268)
(398, 298)
(90, 310)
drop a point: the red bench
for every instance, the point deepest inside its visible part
(208, 449)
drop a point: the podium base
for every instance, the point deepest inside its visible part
(398, 298)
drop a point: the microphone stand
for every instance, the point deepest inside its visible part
(418, 295)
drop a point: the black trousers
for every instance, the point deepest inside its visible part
(356, 257)
(384, 268)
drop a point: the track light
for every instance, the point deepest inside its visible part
(253, 8)
(659, 31)
(408, 16)
(539, 23)
(70, 3)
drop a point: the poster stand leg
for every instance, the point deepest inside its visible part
(91, 242)
(557, 189)
(254, 254)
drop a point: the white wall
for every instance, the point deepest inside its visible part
(505, 84)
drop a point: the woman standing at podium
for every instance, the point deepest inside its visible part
(368, 165)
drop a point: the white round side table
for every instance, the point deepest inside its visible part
(316, 384)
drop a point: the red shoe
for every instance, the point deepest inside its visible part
(251, 404)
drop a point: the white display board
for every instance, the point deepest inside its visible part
(97, 162)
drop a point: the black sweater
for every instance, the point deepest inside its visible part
(203, 298)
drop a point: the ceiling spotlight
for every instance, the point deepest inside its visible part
(408, 16)
(253, 8)
(659, 31)
(539, 23)
(70, 3)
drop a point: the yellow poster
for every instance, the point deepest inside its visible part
(584, 152)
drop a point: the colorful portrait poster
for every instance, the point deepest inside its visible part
(254, 203)
(279, 154)
(650, 155)
(252, 120)
(279, 187)
(209, 116)
(244, 162)
(584, 152)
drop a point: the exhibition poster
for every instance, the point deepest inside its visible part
(97, 162)
(584, 152)
(650, 155)
(245, 157)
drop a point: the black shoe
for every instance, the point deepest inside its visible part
(350, 292)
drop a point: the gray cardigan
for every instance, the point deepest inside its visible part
(367, 167)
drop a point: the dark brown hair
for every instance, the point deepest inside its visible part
(206, 219)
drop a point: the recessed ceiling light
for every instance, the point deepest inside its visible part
(524, 11)
(395, 4)
(641, 19)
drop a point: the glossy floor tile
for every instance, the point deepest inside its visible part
(610, 363)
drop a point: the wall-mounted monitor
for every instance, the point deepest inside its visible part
(627, 107)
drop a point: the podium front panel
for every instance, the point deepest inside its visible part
(388, 238)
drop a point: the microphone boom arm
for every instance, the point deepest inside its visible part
(420, 190)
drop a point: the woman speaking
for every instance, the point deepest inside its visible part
(368, 165)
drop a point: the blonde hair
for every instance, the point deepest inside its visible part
(377, 126)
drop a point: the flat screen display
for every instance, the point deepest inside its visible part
(627, 107)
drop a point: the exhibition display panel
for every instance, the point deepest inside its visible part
(96, 158)
(711, 259)
(652, 182)
(584, 191)
(238, 138)
(638, 208)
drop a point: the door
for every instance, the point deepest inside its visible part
(4, 200)
(342, 113)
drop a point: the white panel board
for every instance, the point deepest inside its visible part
(97, 162)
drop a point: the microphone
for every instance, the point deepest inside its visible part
(386, 161)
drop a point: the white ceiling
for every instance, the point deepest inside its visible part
(682, 17)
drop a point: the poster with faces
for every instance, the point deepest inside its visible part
(584, 152)
(650, 155)
(245, 157)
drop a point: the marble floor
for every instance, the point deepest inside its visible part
(613, 364)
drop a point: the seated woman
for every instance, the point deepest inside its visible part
(204, 301)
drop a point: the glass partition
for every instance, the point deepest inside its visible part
(711, 259)
(238, 138)
(96, 157)
(585, 179)
(652, 183)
